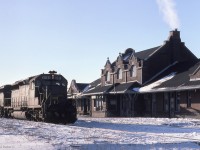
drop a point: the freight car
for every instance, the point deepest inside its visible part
(41, 98)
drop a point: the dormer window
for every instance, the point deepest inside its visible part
(133, 71)
(108, 76)
(125, 66)
(119, 74)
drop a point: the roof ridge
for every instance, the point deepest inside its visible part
(148, 49)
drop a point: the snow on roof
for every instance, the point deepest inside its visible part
(150, 87)
(86, 88)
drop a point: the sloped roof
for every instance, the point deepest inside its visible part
(174, 78)
(81, 86)
(93, 85)
(112, 88)
(192, 83)
(146, 53)
(123, 87)
(183, 70)
(95, 82)
(141, 55)
(98, 90)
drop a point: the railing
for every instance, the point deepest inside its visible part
(19, 104)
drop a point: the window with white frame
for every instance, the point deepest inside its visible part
(108, 76)
(98, 104)
(133, 71)
(32, 85)
(119, 74)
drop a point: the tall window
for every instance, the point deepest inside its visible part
(113, 104)
(133, 71)
(177, 102)
(82, 104)
(119, 74)
(166, 102)
(108, 76)
(32, 85)
(98, 104)
(189, 99)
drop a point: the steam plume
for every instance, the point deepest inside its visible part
(167, 7)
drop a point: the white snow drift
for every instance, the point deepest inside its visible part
(102, 133)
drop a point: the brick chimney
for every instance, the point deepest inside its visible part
(174, 35)
(175, 43)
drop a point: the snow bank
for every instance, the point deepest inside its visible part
(102, 133)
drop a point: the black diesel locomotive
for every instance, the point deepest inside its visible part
(40, 98)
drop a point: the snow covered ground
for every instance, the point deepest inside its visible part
(101, 133)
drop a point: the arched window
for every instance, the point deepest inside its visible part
(108, 76)
(133, 71)
(119, 74)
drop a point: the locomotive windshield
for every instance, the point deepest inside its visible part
(49, 80)
(55, 77)
(58, 83)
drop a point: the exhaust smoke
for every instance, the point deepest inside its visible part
(167, 7)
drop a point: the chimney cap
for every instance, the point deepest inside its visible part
(175, 34)
(52, 72)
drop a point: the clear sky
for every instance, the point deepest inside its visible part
(75, 37)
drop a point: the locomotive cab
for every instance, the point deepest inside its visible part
(41, 98)
(50, 92)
